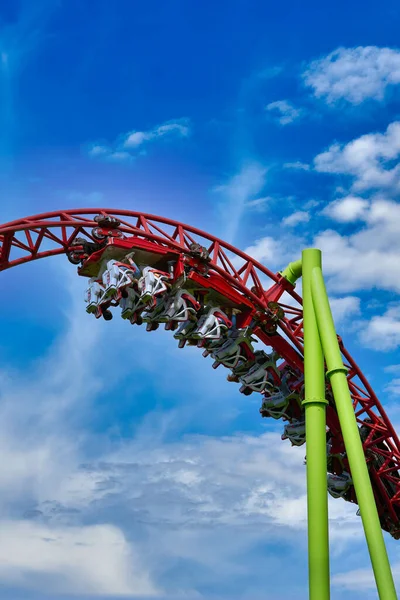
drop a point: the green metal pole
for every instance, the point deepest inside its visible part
(315, 409)
(359, 472)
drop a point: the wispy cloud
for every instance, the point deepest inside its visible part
(284, 111)
(301, 166)
(109, 154)
(259, 204)
(354, 74)
(180, 128)
(393, 388)
(296, 218)
(132, 144)
(361, 579)
(392, 369)
(237, 192)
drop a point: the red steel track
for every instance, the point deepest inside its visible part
(53, 233)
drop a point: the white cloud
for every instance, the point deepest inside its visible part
(136, 138)
(368, 160)
(97, 150)
(312, 204)
(41, 440)
(119, 156)
(301, 166)
(347, 210)
(129, 145)
(382, 332)
(94, 560)
(194, 481)
(285, 111)
(368, 258)
(343, 308)
(265, 250)
(179, 128)
(354, 74)
(109, 154)
(259, 204)
(351, 267)
(393, 387)
(242, 188)
(362, 579)
(296, 218)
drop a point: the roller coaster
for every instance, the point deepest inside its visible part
(211, 295)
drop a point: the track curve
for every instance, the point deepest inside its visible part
(264, 301)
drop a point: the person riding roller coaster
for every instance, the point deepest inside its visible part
(80, 249)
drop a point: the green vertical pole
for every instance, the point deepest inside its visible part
(315, 409)
(359, 472)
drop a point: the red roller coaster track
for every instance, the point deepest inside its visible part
(234, 275)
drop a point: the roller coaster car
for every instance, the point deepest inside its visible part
(94, 298)
(179, 306)
(260, 375)
(154, 314)
(295, 432)
(131, 306)
(339, 485)
(93, 294)
(118, 277)
(184, 332)
(243, 367)
(276, 404)
(211, 346)
(212, 325)
(334, 460)
(172, 309)
(152, 284)
(134, 303)
(236, 349)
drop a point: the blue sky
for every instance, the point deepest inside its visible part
(128, 468)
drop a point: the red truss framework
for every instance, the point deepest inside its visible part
(50, 234)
